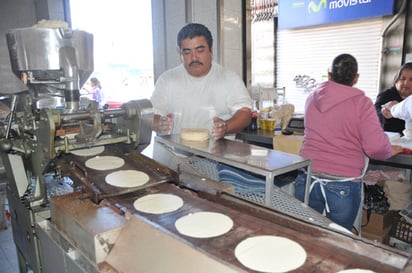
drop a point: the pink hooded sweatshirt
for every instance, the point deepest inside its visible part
(341, 127)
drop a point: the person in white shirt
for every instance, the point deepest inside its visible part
(200, 93)
(401, 110)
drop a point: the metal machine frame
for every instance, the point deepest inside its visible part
(47, 120)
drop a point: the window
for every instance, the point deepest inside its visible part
(263, 15)
(123, 49)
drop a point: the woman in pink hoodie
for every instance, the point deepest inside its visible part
(342, 129)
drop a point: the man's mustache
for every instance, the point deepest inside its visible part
(195, 62)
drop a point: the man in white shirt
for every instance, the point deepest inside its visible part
(200, 93)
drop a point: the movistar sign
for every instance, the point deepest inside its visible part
(302, 13)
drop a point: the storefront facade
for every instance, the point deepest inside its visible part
(304, 52)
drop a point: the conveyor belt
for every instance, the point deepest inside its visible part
(327, 251)
(93, 181)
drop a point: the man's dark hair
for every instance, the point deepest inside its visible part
(344, 69)
(192, 30)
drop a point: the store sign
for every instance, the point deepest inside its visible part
(303, 13)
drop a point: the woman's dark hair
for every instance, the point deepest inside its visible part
(192, 30)
(406, 66)
(344, 69)
(96, 82)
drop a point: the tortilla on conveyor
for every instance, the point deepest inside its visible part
(204, 224)
(89, 151)
(158, 203)
(270, 254)
(104, 163)
(127, 178)
(356, 270)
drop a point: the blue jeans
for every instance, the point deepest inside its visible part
(343, 198)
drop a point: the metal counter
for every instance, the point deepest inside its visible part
(266, 162)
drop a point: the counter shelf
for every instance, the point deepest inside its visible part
(259, 160)
(264, 138)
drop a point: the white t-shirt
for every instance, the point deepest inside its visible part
(195, 101)
(403, 110)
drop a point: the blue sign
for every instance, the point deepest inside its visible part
(302, 13)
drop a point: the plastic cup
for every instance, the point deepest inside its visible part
(270, 124)
(262, 124)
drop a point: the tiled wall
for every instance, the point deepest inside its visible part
(232, 35)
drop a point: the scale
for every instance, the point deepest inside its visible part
(295, 126)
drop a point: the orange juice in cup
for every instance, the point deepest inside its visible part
(262, 124)
(270, 124)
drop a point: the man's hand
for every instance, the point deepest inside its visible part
(219, 128)
(164, 124)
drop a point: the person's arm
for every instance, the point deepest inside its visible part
(386, 109)
(380, 100)
(396, 149)
(375, 143)
(236, 123)
(401, 110)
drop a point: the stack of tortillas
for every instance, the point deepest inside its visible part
(194, 134)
